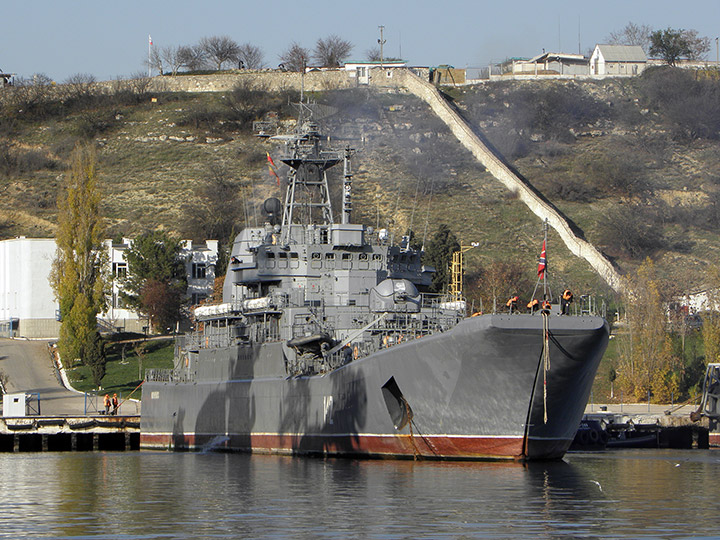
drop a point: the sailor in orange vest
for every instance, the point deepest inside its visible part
(546, 305)
(106, 402)
(565, 301)
(512, 303)
(115, 404)
(533, 305)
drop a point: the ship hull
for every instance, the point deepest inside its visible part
(483, 390)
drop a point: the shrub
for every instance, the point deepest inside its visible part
(635, 232)
(690, 105)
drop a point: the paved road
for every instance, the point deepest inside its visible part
(28, 366)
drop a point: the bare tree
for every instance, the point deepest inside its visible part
(331, 51)
(295, 58)
(373, 54)
(172, 58)
(192, 57)
(79, 85)
(156, 61)
(220, 49)
(698, 46)
(139, 83)
(632, 34)
(250, 56)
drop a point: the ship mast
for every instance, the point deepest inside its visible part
(347, 187)
(307, 197)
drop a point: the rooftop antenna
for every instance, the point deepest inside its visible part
(381, 41)
(579, 48)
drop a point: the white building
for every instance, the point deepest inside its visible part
(363, 71)
(27, 302)
(617, 60)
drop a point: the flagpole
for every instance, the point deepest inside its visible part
(545, 229)
(149, 46)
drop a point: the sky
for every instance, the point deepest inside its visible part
(110, 39)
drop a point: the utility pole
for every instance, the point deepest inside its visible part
(381, 41)
(717, 52)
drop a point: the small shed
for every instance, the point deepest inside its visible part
(617, 60)
(552, 63)
(14, 404)
(447, 75)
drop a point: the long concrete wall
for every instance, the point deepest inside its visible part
(271, 80)
(579, 247)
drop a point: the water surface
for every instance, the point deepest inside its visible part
(139, 495)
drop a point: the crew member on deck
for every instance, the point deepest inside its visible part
(533, 305)
(565, 301)
(513, 303)
(115, 404)
(106, 402)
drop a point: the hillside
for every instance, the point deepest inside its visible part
(633, 163)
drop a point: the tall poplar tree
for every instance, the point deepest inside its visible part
(78, 277)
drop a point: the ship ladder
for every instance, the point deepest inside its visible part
(546, 360)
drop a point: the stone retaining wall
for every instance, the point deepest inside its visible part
(579, 247)
(269, 80)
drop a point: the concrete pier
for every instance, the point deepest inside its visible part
(69, 433)
(648, 426)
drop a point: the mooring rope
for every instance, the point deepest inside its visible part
(546, 360)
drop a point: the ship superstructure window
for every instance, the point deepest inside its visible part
(315, 260)
(199, 270)
(270, 256)
(363, 257)
(294, 260)
(347, 261)
(119, 270)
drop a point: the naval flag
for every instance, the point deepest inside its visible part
(271, 168)
(542, 263)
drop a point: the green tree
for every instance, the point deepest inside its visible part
(78, 275)
(439, 255)
(157, 281)
(670, 45)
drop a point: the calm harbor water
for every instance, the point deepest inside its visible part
(146, 495)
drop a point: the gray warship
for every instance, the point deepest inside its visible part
(328, 343)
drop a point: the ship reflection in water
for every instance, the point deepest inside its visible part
(619, 494)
